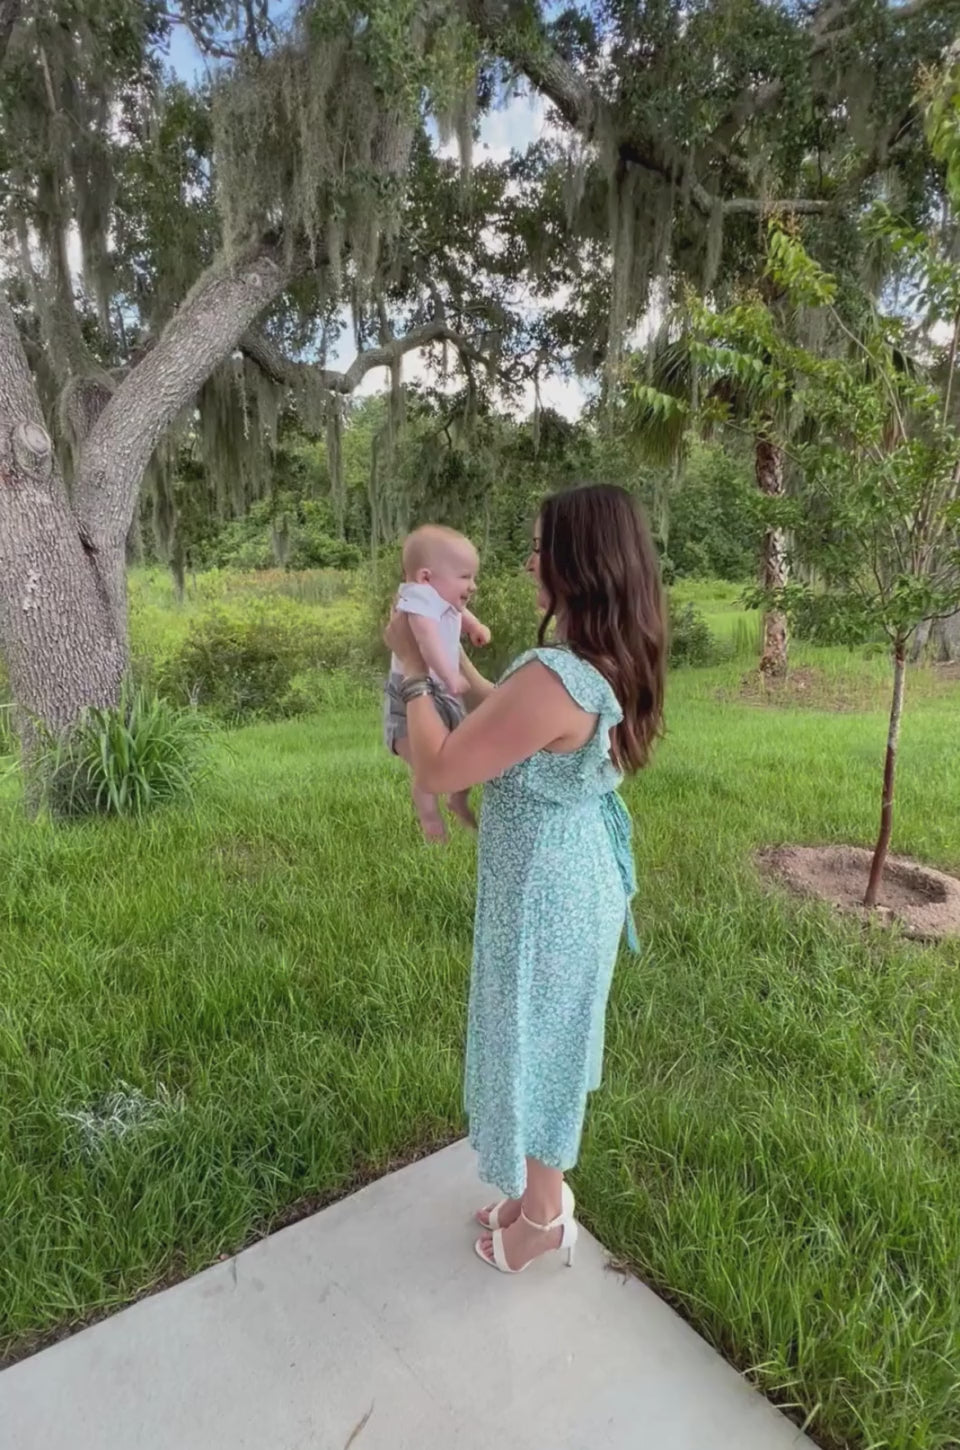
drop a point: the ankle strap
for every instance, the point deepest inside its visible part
(542, 1227)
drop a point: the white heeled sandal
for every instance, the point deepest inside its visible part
(569, 1230)
(492, 1222)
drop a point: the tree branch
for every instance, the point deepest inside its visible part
(769, 206)
(207, 46)
(506, 26)
(292, 374)
(752, 102)
(503, 23)
(224, 302)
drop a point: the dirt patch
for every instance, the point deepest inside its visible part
(849, 691)
(808, 688)
(924, 902)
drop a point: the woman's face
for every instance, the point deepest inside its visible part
(533, 567)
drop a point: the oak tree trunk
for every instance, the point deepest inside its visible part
(63, 600)
(889, 777)
(57, 632)
(768, 463)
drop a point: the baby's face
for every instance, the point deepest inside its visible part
(453, 574)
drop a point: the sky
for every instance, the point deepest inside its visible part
(521, 122)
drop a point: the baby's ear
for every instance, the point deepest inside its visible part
(423, 576)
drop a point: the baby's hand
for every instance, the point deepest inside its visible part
(478, 634)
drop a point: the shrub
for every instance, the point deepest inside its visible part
(316, 690)
(292, 532)
(691, 642)
(121, 761)
(238, 660)
(713, 527)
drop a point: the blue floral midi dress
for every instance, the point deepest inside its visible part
(555, 878)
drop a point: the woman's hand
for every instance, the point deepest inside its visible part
(399, 639)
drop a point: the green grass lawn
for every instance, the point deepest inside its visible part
(281, 976)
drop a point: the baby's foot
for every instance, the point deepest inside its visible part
(428, 813)
(460, 805)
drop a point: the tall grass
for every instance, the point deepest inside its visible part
(746, 637)
(267, 994)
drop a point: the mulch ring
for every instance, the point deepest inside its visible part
(923, 902)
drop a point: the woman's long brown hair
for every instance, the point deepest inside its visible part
(600, 573)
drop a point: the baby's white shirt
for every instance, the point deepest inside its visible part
(423, 599)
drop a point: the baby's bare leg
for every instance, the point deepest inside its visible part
(460, 805)
(427, 806)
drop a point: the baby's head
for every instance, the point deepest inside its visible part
(443, 558)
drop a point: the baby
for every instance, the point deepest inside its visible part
(440, 570)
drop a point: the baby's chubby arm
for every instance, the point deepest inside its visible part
(476, 632)
(427, 635)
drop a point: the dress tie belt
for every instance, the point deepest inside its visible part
(619, 826)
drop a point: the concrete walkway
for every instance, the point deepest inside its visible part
(372, 1325)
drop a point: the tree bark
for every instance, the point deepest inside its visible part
(938, 639)
(56, 630)
(774, 571)
(889, 778)
(63, 600)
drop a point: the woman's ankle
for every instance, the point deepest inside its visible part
(540, 1209)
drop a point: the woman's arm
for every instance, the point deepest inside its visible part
(528, 712)
(478, 686)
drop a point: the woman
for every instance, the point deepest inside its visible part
(555, 873)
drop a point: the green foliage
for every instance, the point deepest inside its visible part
(875, 515)
(296, 533)
(507, 604)
(942, 117)
(318, 690)
(791, 267)
(823, 618)
(319, 130)
(712, 506)
(121, 761)
(8, 735)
